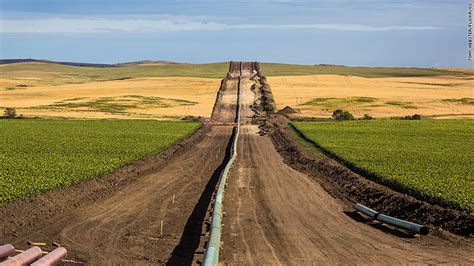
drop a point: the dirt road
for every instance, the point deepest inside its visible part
(125, 226)
(277, 215)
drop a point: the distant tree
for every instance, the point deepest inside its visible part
(367, 117)
(342, 115)
(9, 112)
(412, 117)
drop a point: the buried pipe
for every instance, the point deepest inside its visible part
(6, 250)
(24, 258)
(53, 258)
(420, 229)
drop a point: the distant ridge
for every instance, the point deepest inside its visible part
(142, 62)
(149, 62)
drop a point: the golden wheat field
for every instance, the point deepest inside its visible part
(319, 95)
(147, 98)
(102, 93)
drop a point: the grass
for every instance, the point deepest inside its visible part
(270, 69)
(63, 74)
(115, 105)
(338, 102)
(73, 74)
(468, 101)
(306, 146)
(407, 105)
(432, 160)
(40, 155)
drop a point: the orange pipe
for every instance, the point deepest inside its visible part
(6, 250)
(24, 258)
(53, 257)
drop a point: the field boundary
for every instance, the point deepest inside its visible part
(342, 183)
(24, 212)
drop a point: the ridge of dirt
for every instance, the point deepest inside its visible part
(342, 183)
(24, 213)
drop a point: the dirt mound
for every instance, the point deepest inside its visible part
(288, 111)
(350, 187)
(278, 119)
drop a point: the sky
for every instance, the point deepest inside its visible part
(408, 33)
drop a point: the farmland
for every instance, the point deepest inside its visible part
(172, 91)
(51, 73)
(432, 160)
(318, 95)
(140, 98)
(40, 155)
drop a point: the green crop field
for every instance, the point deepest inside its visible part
(40, 155)
(429, 159)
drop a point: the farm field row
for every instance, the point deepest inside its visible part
(320, 95)
(431, 160)
(40, 155)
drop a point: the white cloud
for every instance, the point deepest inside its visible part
(104, 25)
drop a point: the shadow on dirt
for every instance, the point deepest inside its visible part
(361, 219)
(183, 253)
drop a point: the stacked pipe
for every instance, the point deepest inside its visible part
(31, 256)
(211, 255)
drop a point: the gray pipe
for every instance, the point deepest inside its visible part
(420, 229)
(367, 211)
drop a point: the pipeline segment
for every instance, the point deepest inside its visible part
(24, 258)
(420, 229)
(53, 258)
(211, 255)
(6, 250)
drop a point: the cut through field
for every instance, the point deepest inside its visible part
(275, 214)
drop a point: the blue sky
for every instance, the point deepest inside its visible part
(421, 33)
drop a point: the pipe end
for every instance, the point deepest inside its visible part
(424, 231)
